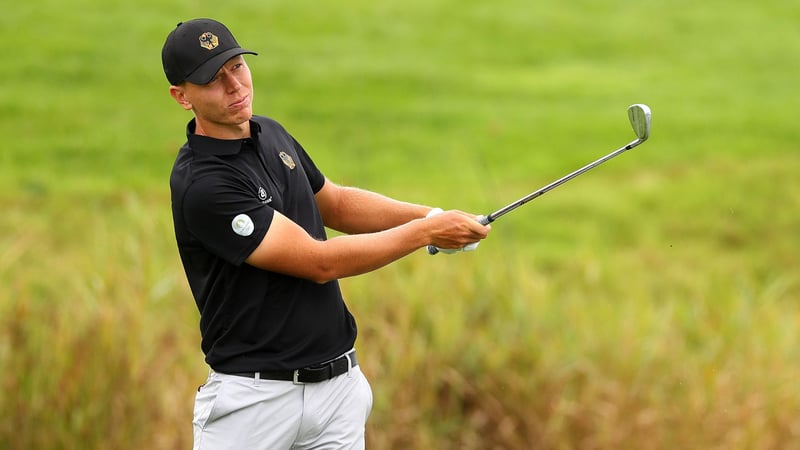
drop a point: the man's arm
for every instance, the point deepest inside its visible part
(353, 211)
(288, 249)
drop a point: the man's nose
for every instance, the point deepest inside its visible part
(231, 82)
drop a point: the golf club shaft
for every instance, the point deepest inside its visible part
(486, 220)
(512, 206)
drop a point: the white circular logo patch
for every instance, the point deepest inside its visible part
(243, 225)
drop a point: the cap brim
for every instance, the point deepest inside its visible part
(206, 72)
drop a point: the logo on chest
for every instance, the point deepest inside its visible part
(287, 160)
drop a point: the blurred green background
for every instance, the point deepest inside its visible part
(651, 303)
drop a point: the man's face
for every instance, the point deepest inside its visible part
(225, 103)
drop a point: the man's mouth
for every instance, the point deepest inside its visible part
(240, 103)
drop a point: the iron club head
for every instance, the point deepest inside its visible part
(639, 116)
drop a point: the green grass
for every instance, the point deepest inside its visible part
(651, 303)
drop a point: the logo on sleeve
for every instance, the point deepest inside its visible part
(243, 225)
(262, 195)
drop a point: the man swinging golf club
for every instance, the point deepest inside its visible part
(250, 209)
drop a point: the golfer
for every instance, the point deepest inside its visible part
(250, 209)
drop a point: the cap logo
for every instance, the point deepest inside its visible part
(287, 160)
(209, 41)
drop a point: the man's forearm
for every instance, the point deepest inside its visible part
(359, 211)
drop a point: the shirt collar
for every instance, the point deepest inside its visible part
(214, 146)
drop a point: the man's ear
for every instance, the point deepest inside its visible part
(179, 94)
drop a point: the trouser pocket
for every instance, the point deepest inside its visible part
(205, 402)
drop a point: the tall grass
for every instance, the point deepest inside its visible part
(94, 326)
(652, 303)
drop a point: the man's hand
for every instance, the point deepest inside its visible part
(433, 249)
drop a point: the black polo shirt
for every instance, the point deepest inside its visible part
(224, 194)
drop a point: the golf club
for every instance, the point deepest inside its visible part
(639, 116)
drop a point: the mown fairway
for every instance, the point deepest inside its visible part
(652, 303)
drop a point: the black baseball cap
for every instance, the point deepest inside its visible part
(195, 51)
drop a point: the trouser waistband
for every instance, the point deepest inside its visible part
(311, 374)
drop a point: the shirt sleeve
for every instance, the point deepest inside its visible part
(315, 177)
(226, 217)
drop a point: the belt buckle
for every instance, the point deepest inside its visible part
(295, 378)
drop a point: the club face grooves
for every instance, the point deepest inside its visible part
(639, 115)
